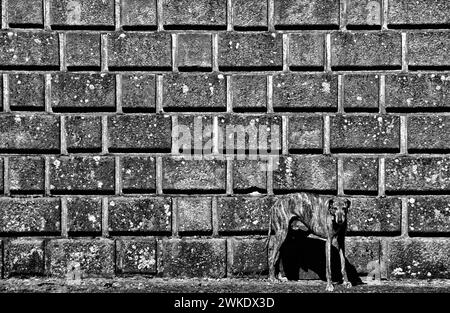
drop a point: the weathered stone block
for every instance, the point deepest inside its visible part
(366, 50)
(29, 133)
(405, 14)
(145, 214)
(306, 14)
(82, 13)
(243, 214)
(194, 92)
(372, 215)
(26, 92)
(83, 51)
(361, 175)
(15, 49)
(138, 13)
(83, 92)
(427, 49)
(306, 51)
(139, 133)
(193, 135)
(138, 93)
(93, 257)
(247, 257)
(25, 13)
(26, 215)
(429, 214)
(255, 51)
(192, 258)
(428, 133)
(305, 173)
(200, 14)
(305, 134)
(363, 13)
(181, 174)
(24, 258)
(365, 133)
(83, 133)
(361, 92)
(404, 174)
(194, 214)
(136, 256)
(138, 174)
(305, 92)
(249, 14)
(26, 175)
(84, 215)
(82, 174)
(364, 254)
(139, 51)
(249, 175)
(249, 92)
(194, 51)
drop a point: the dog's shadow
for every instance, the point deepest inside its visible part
(308, 254)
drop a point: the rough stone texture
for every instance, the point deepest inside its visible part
(243, 214)
(194, 51)
(26, 92)
(136, 255)
(26, 175)
(193, 135)
(83, 133)
(363, 253)
(82, 13)
(24, 258)
(25, 13)
(139, 51)
(84, 215)
(138, 174)
(249, 133)
(428, 49)
(29, 49)
(305, 173)
(181, 174)
(307, 92)
(366, 50)
(249, 92)
(417, 91)
(29, 133)
(247, 257)
(423, 174)
(361, 175)
(428, 133)
(139, 132)
(83, 50)
(305, 134)
(249, 175)
(429, 214)
(306, 51)
(194, 214)
(138, 93)
(192, 258)
(138, 13)
(422, 258)
(201, 14)
(1, 176)
(363, 13)
(83, 92)
(140, 215)
(81, 174)
(249, 51)
(410, 13)
(306, 13)
(194, 92)
(374, 215)
(249, 14)
(28, 215)
(361, 92)
(365, 133)
(94, 257)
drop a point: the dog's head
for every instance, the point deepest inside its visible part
(339, 210)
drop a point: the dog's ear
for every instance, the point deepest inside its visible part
(330, 207)
(348, 203)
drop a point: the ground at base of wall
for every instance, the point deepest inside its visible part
(160, 285)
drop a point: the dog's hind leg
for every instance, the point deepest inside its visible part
(274, 253)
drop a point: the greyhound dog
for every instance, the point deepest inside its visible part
(320, 215)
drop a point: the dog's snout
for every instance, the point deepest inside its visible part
(340, 217)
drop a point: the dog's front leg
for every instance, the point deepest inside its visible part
(328, 264)
(341, 247)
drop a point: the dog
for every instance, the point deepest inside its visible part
(323, 216)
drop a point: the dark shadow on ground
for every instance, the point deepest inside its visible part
(300, 252)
